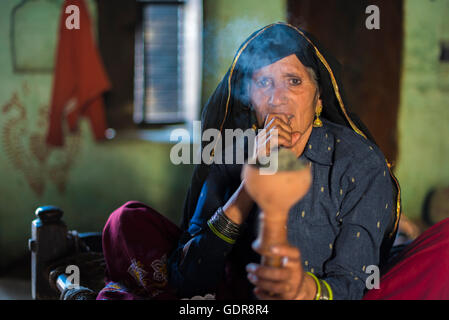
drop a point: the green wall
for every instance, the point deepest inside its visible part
(424, 111)
(86, 179)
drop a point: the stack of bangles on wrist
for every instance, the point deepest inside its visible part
(223, 227)
(323, 290)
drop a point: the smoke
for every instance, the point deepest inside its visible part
(222, 41)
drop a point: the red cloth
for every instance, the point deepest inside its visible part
(420, 271)
(80, 75)
(137, 242)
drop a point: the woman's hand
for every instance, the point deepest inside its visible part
(277, 132)
(288, 282)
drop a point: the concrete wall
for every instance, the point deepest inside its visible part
(423, 161)
(86, 179)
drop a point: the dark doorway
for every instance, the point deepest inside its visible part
(117, 20)
(371, 59)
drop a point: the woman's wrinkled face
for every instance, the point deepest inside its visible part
(285, 87)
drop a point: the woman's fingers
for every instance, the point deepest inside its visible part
(269, 142)
(266, 272)
(277, 132)
(280, 121)
(284, 138)
(273, 287)
(279, 125)
(277, 282)
(268, 139)
(271, 282)
(291, 252)
(280, 116)
(286, 251)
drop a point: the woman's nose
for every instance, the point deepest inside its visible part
(278, 97)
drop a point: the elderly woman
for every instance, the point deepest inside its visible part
(283, 81)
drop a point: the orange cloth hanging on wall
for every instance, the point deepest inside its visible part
(79, 76)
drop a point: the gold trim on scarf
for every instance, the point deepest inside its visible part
(337, 94)
(398, 202)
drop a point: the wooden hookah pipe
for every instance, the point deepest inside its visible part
(275, 194)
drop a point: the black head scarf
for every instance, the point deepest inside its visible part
(229, 106)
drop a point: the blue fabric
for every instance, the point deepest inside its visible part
(338, 226)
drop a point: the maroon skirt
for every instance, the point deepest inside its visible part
(137, 241)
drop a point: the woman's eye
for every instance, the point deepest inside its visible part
(263, 83)
(295, 81)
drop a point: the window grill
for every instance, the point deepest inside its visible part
(161, 85)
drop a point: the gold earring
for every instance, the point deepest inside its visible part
(317, 123)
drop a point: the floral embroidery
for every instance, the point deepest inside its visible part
(160, 270)
(208, 296)
(137, 272)
(114, 286)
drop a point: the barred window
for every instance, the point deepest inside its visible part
(167, 73)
